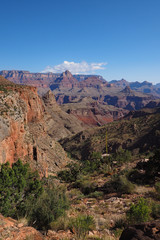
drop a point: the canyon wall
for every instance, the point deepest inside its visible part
(24, 130)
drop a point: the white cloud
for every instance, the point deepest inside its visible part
(75, 68)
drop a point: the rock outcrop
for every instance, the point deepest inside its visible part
(11, 229)
(144, 231)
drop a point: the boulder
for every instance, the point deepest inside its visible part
(143, 231)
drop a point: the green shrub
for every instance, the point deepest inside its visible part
(157, 187)
(107, 170)
(96, 194)
(89, 166)
(96, 156)
(62, 223)
(121, 156)
(76, 194)
(139, 212)
(155, 210)
(85, 185)
(22, 194)
(122, 185)
(117, 232)
(49, 207)
(120, 223)
(82, 225)
(71, 174)
(19, 187)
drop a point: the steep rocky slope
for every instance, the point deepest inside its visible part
(24, 129)
(60, 124)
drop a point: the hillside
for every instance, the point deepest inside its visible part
(139, 132)
(60, 124)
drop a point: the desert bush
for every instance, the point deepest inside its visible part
(121, 156)
(81, 225)
(106, 169)
(89, 166)
(49, 207)
(157, 187)
(139, 212)
(96, 156)
(120, 223)
(75, 193)
(122, 185)
(62, 223)
(71, 174)
(85, 185)
(155, 210)
(96, 194)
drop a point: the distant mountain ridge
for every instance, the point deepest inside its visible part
(144, 87)
(24, 77)
(69, 88)
(47, 79)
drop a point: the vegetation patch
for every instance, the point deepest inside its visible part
(23, 194)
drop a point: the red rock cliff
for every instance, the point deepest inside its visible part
(24, 130)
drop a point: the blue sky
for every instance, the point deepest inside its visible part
(82, 35)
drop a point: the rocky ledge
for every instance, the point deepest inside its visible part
(11, 229)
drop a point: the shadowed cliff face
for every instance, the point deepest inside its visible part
(24, 130)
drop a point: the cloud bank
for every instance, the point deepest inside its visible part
(75, 68)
